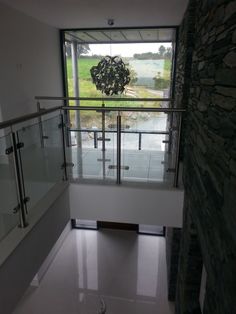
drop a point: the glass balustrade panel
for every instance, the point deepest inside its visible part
(42, 158)
(53, 145)
(93, 142)
(144, 147)
(8, 191)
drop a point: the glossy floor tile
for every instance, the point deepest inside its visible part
(119, 271)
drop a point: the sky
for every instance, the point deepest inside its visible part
(125, 50)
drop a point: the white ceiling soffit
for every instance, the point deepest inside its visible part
(122, 35)
(94, 13)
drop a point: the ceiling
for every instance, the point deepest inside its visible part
(95, 13)
(122, 35)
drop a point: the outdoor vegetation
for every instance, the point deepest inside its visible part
(147, 87)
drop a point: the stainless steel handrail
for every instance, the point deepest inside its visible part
(122, 131)
(139, 109)
(40, 113)
(102, 99)
(27, 117)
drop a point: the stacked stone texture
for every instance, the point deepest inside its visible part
(183, 68)
(182, 88)
(210, 151)
(173, 236)
(190, 268)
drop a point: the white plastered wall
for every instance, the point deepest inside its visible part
(127, 204)
(29, 61)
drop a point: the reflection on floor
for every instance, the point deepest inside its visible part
(126, 270)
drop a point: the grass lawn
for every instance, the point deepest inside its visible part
(167, 69)
(88, 89)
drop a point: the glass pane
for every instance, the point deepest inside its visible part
(8, 192)
(53, 147)
(144, 156)
(41, 163)
(93, 148)
(150, 72)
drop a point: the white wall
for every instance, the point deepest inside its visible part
(128, 205)
(29, 62)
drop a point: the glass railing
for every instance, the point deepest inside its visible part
(93, 145)
(8, 188)
(41, 158)
(115, 145)
(32, 161)
(124, 144)
(144, 156)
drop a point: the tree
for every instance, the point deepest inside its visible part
(68, 48)
(162, 51)
(133, 75)
(168, 53)
(160, 82)
(81, 49)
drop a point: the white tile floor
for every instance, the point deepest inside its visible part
(126, 270)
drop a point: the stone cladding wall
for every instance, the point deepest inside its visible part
(173, 236)
(209, 154)
(185, 44)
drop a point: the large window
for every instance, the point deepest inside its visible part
(149, 66)
(148, 53)
(133, 141)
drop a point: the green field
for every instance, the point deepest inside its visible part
(88, 89)
(167, 69)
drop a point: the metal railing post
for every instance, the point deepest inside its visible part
(67, 122)
(103, 143)
(95, 139)
(103, 129)
(118, 149)
(171, 121)
(176, 177)
(170, 132)
(19, 184)
(64, 146)
(40, 125)
(140, 141)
